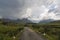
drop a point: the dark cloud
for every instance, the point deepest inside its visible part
(11, 7)
(30, 8)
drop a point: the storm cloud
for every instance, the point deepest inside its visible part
(11, 8)
(30, 9)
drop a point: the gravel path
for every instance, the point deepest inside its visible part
(29, 34)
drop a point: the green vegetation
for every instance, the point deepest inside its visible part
(10, 31)
(51, 30)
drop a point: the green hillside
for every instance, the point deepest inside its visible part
(54, 23)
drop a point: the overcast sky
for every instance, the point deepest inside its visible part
(32, 9)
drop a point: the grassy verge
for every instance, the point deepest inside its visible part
(10, 32)
(52, 32)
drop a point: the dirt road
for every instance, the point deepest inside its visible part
(29, 34)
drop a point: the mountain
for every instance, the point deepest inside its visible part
(24, 20)
(57, 22)
(46, 21)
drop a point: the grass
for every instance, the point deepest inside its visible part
(8, 32)
(50, 37)
(51, 30)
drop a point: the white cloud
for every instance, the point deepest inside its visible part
(37, 13)
(32, 9)
(42, 12)
(28, 13)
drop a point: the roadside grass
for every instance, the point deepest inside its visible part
(18, 36)
(51, 30)
(8, 32)
(50, 37)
